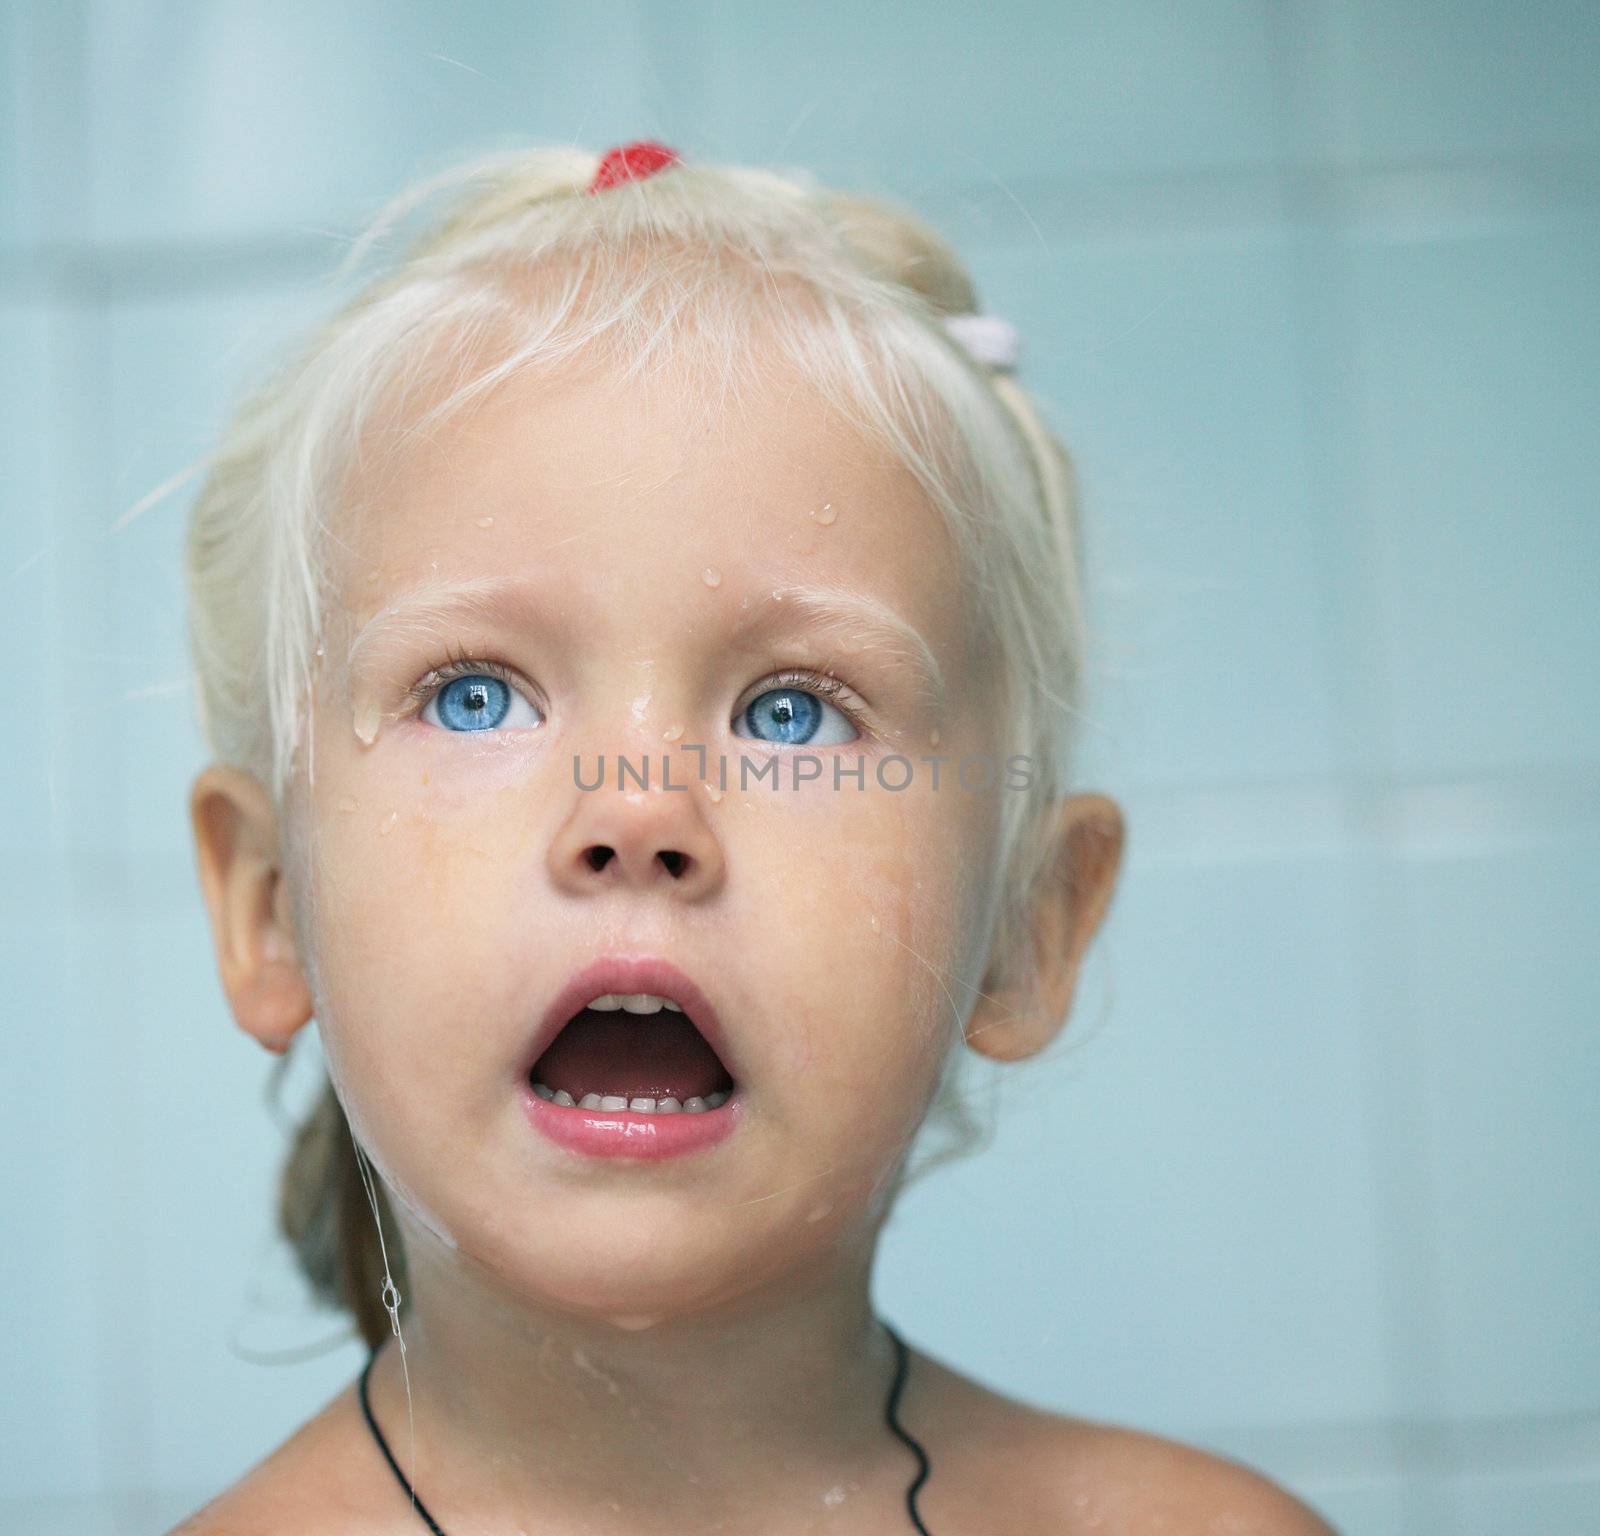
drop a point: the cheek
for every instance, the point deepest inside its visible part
(910, 891)
(866, 896)
(943, 919)
(402, 915)
(417, 839)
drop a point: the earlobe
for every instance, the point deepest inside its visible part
(237, 852)
(1020, 1013)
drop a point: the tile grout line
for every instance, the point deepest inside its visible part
(1398, 1146)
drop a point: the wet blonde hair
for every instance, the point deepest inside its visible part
(699, 271)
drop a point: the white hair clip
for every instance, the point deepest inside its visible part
(989, 339)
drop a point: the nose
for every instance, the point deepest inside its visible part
(654, 839)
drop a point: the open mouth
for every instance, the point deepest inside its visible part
(638, 1052)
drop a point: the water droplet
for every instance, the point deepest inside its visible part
(874, 921)
(818, 1212)
(319, 650)
(711, 576)
(486, 522)
(634, 1324)
(388, 823)
(672, 733)
(826, 515)
(367, 718)
(933, 738)
(347, 804)
(834, 1495)
(713, 792)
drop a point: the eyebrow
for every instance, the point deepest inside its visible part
(862, 622)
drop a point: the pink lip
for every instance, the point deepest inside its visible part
(640, 974)
(628, 1133)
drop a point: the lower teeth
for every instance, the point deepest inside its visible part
(694, 1105)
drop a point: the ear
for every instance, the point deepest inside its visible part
(237, 851)
(1019, 1017)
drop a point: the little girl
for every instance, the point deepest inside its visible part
(640, 640)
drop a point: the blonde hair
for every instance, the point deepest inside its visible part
(684, 273)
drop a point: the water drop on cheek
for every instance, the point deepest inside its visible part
(713, 794)
(634, 1324)
(366, 721)
(826, 515)
(711, 576)
(388, 823)
(672, 733)
(486, 522)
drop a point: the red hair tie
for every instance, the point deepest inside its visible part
(633, 162)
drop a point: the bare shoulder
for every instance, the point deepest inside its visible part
(1135, 1481)
(304, 1486)
(1039, 1470)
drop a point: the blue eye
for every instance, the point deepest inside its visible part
(793, 716)
(472, 701)
(468, 696)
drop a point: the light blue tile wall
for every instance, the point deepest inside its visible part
(276, 119)
(1167, 358)
(1479, 350)
(1312, 292)
(173, 360)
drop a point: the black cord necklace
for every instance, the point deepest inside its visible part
(889, 1415)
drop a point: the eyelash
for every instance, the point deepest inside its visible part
(830, 687)
(458, 664)
(462, 665)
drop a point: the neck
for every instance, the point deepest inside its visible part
(776, 1400)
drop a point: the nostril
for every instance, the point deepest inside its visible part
(598, 856)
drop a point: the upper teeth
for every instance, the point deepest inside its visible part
(634, 1002)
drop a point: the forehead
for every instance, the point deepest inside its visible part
(597, 489)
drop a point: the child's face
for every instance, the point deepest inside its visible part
(839, 933)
